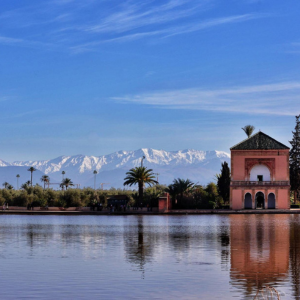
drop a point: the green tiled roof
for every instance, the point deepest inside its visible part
(259, 141)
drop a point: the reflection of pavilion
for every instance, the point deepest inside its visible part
(259, 250)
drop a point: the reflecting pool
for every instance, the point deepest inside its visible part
(151, 257)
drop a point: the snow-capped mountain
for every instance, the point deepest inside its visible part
(198, 166)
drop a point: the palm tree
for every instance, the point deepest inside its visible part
(248, 130)
(173, 191)
(45, 178)
(66, 182)
(5, 184)
(182, 186)
(18, 176)
(24, 186)
(140, 176)
(31, 170)
(95, 173)
(63, 174)
(10, 187)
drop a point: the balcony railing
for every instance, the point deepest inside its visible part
(259, 183)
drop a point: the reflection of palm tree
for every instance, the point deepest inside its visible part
(140, 176)
(66, 182)
(138, 245)
(18, 176)
(45, 178)
(31, 170)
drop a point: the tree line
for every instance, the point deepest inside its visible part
(183, 192)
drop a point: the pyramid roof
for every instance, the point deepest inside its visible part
(259, 141)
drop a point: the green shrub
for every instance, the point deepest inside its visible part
(211, 205)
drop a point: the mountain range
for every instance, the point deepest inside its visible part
(198, 166)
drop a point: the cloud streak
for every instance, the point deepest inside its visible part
(4, 40)
(64, 24)
(169, 32)
(269, 99)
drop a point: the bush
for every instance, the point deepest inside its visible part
(72, 198)
(211, 205)
(60, 203)
(226, 207)
(22, 199)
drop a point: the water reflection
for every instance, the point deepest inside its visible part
(224, 240)
(259, 251)
(295, 254)
(138, 244)
(161, 257)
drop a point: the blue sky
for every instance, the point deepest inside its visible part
(96, 76)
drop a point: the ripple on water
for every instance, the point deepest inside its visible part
(153, 257)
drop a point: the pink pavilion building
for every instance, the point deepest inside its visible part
(260, 174)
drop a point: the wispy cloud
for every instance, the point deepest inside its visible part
(133, 16)
(64, 23)
(4, 40)
(293, 48)
(269, 99)
(168, 32)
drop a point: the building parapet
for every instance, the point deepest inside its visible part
(259, 183)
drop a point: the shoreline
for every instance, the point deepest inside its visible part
(172, 212)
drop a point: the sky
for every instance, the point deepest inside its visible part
(96, 76)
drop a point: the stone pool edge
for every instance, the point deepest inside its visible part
(173, 212)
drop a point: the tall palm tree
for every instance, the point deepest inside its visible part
(95, 173)
(63, 175)
(31, 170)
(140, 176)
(18, 176)
(45, 178)
(248, 130)
(66, 182)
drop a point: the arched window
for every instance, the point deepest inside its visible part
(260, 173)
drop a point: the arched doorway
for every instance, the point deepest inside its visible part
(260, 200)
(271, 201)
(248, 201)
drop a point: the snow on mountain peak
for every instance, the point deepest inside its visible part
(79, 168)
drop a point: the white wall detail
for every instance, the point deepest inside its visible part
(260, 170)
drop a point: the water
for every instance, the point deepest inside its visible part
(148, 257)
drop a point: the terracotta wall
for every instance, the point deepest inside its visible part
(279, 169)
